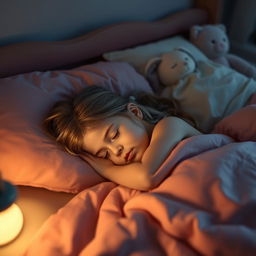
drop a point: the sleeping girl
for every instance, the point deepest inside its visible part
(124, 139)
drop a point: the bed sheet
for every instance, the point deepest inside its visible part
(206, 206)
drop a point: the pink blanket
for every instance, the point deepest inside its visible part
(206, 206)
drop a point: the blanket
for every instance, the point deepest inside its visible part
(211, 93)
(206, 206)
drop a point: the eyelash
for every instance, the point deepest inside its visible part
(107, 155)
(174, 66)
(116, 134)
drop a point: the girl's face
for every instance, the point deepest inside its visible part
(122, 138)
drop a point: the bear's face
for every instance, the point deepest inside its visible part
(212, 41)
(175, 66)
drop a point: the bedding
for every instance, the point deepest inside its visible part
(212, 93)
(28, 155)
(206, 206)
(241, 125)
(140, 55)
(26, 98)
(209, 95)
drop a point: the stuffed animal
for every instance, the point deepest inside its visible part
(170, 68)
(212, 40)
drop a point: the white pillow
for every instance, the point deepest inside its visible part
(139, 56)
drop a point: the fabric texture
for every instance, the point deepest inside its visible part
(206, 206)
(140, 55)
(28, 156)
(241, 125)
(212, 93)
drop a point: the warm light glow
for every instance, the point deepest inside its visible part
(11, 222)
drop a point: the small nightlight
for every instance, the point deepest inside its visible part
(11, 217)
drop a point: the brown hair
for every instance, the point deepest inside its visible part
(68, 120)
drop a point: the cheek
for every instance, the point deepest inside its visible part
(191, 66)
(226, 46)
(142, 141)
(180, 71)
(137, 135)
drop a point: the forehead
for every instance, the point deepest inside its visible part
(173, 56)
(94, 135)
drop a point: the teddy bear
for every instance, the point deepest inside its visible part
(213, 41)
(170, 68)
(201, 87)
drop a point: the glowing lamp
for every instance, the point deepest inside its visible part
(11, 217)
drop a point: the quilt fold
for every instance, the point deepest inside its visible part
(206, 206)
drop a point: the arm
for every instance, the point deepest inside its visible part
(242, 66)
(143, 175)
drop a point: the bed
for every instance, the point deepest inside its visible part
(206, 206)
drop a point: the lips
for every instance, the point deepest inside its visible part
(130, 155)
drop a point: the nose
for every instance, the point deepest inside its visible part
(221, 45)
(116, 149)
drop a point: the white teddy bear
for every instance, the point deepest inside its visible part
(170, 68)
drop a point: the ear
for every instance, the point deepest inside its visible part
(195, 31)
(222, 27)
(188, 52)
(134, 110)
(183, 49)
(150, 73)
(152, 65)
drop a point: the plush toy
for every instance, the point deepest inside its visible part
(170, 68)
(212, 40)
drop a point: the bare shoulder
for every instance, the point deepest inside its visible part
(172, 120)
(176, 125)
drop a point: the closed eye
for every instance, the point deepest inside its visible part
(114, 135)
(174, 65)
(103, 153)
(106, 155)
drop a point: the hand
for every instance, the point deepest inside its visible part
(99, 164)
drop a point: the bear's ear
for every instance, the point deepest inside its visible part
(152, 65)
(150, 73)
(222, 27)
(195, 31)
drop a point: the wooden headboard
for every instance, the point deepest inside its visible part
(44, 35)
(49, 20)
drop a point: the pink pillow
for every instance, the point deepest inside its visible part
(241, 125)
(28, 156)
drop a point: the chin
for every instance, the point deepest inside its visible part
(121, 163)
(138, 157)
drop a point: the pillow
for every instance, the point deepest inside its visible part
(28, 156)
(138, 56)
(241, 125)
